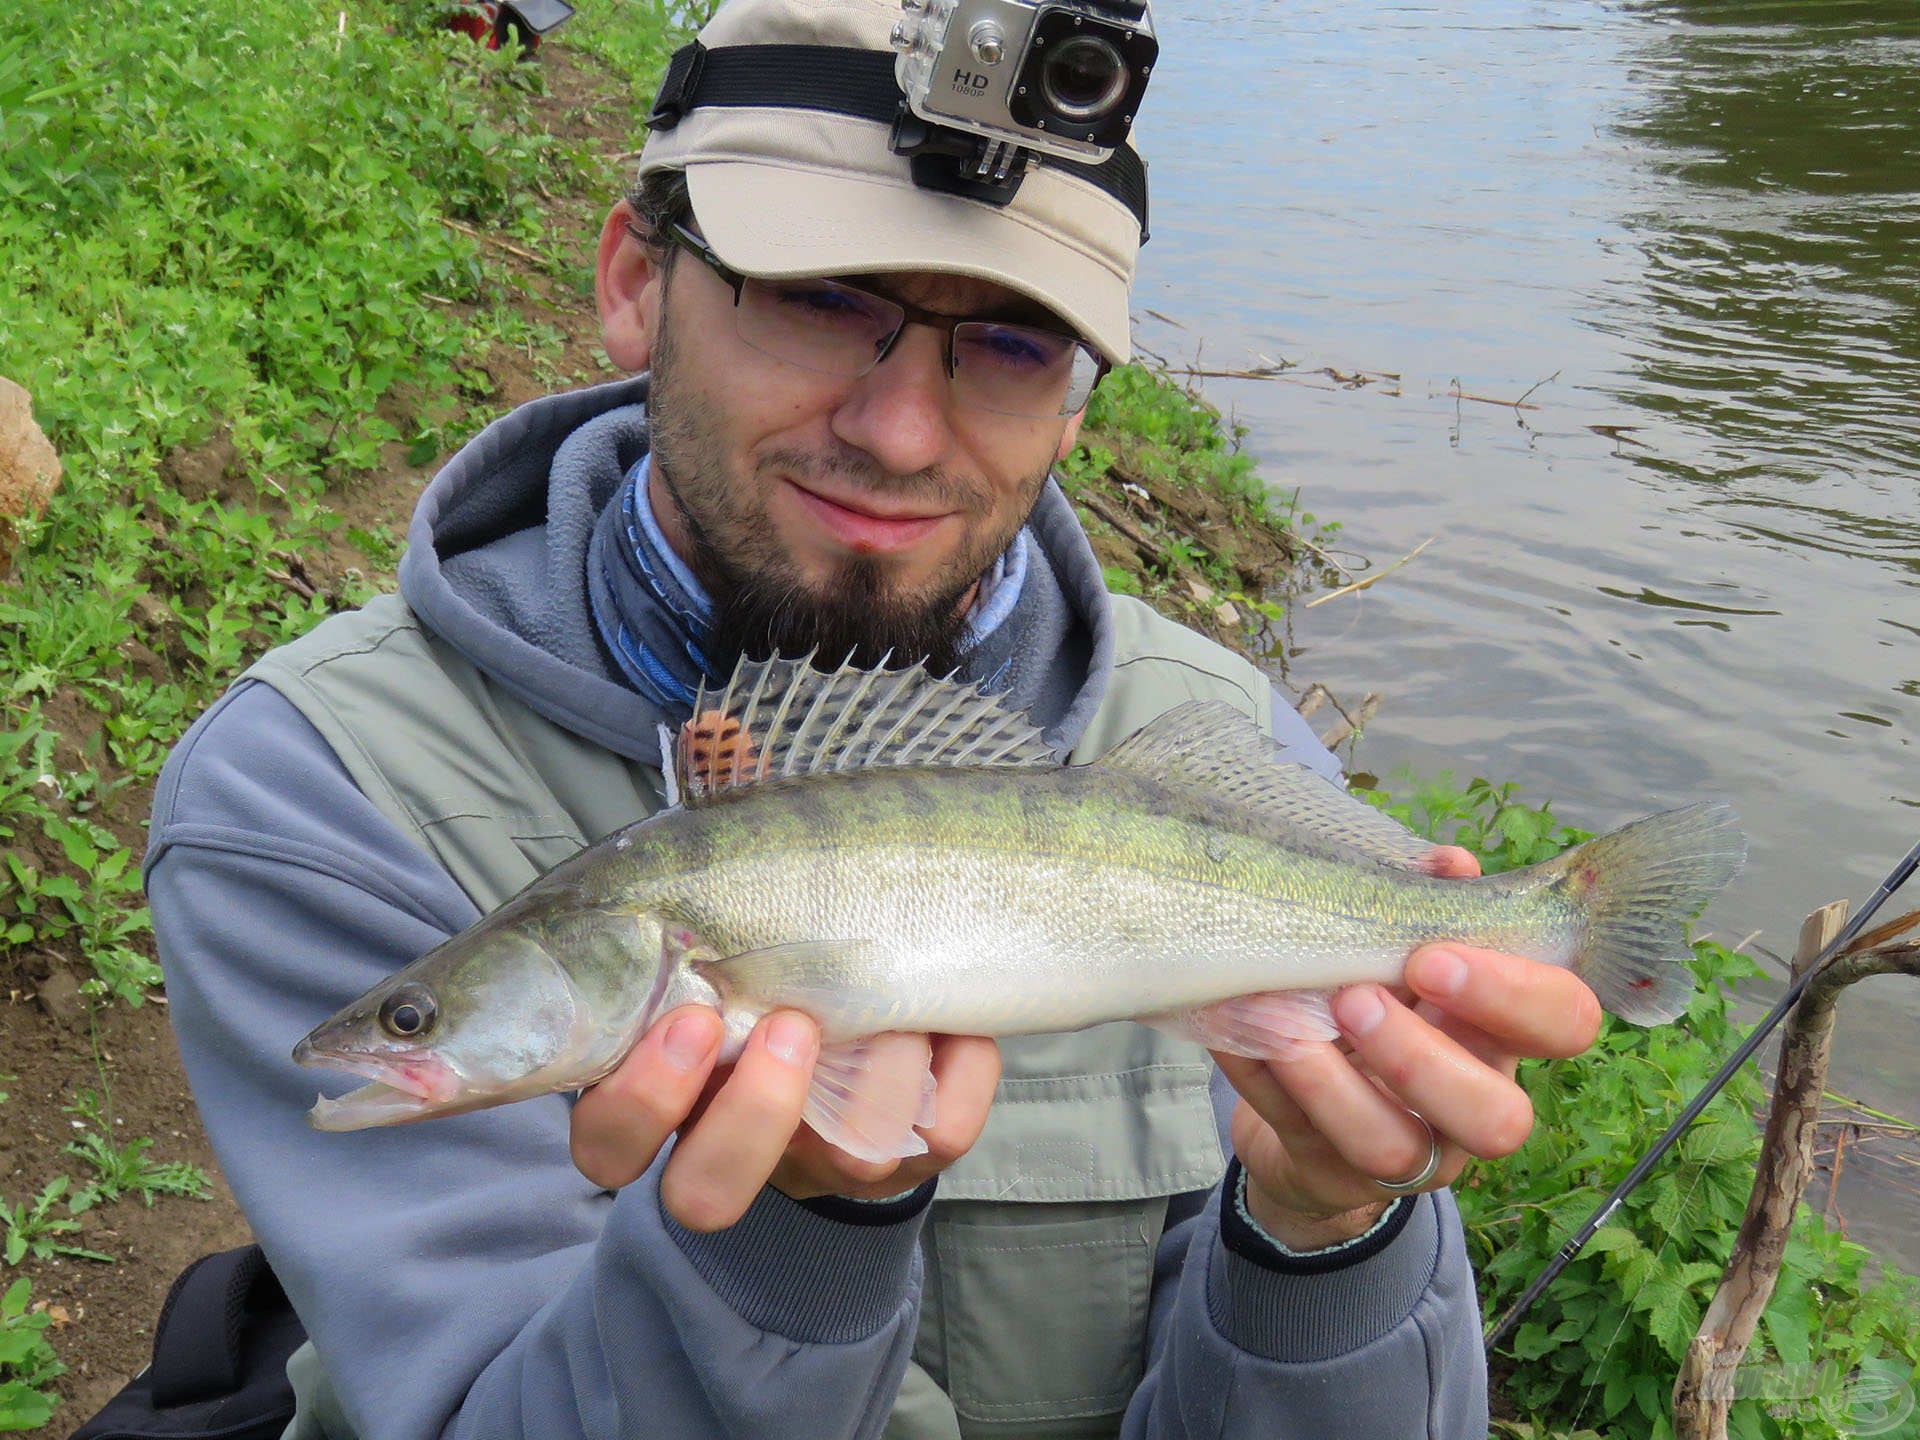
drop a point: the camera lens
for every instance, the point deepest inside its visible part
(1084, 78)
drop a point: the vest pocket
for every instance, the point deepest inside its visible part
(1045, 1319)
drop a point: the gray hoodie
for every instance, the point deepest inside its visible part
(469, 1281)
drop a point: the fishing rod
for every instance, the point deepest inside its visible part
(1895, 879)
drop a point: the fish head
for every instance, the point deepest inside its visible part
(486, 1017)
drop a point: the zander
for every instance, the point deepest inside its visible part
(891, 851)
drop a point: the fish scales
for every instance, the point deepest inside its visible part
(979, 893)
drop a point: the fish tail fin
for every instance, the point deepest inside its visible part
(1637, 888)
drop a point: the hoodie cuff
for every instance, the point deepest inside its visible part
(1299, 1309)
(814, 1278)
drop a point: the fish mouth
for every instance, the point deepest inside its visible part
(405, 1087)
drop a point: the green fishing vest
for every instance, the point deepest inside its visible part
(1039, 1248)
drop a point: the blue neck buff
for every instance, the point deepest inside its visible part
(655, 617)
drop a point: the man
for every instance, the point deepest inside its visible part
(850, 391)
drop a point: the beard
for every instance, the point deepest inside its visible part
(763, 605)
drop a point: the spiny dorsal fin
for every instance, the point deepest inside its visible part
(779, 718)
(1210, 748)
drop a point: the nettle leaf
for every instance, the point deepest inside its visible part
(22, 1407)
(1788, 1320)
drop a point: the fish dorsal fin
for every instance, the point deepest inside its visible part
(1206, 747)
(775, 719)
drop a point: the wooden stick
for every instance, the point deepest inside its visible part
(1833, 1180)
(510, 248)
(1149, 551)
(1373, 579)
(1315, 697)
(1297, 538)
(1349, 724)
(1704, 1390)
(1521, 404)
(1261, 373)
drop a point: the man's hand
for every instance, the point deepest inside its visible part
(739, 1126)
(1317, 1131)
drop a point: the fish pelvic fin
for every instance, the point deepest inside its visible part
(776, 719)
(1637, 888)
(868, 1095)
(1207, 747)
(1272, 1025)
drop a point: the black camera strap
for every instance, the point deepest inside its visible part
(841, 81)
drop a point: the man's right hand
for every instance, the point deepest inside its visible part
(739, 1126)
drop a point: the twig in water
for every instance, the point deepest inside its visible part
(1315, 697)
(1302, 540)
(1535, 386)
(1833, 1183)
(1372, 579)
(1521, 404)
(1261, 372)
(1349, 724)
(1163, 319)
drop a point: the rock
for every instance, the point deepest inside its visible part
(59, 996)
(1200, 592)
(1227, 615)
(29, 468)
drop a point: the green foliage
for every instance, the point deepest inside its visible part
(1175, 436)
(1604, 1343)
(27, 1361)
(32, 1228)
(236, 223)
(1483, 817)
(125, 1169)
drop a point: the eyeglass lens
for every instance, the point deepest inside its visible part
(836, 329)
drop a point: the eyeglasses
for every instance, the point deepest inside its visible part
(832, 328)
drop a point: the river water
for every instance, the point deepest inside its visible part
(1689, 234)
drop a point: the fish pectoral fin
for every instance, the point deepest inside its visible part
(810, 975)
(1271, 1025)
(868, 1095)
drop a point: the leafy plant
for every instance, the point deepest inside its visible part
(27, 1361)
(32, 1227)
(1603, 1345)
(125, 1169)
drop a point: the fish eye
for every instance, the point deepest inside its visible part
(408, 1013)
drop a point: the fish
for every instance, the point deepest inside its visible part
(889, 850)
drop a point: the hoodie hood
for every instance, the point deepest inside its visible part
(497, 567)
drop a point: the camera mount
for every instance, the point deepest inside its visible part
(862, 83)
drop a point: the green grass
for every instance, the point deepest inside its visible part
(226, 217)
(1602, 1346)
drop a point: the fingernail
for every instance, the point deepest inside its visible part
(687, 1042)
(1359, 1009)
(1442, 972)
(790, 1038)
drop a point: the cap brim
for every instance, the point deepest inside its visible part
(775, 222)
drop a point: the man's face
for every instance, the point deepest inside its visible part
(852, 514)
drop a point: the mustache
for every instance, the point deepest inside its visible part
(853, 466)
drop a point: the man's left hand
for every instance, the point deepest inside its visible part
(1318, 1131)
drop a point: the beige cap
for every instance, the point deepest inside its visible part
(786, 192)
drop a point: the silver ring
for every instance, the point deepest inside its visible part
(1427, 1171)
